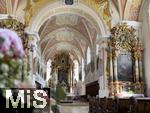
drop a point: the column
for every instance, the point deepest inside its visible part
(136, 69)
(33, 38)
(31, 50)
(140, 68)
(70, 84)
(115, 69)
(111, 66)
(111, 85)
(103, 84)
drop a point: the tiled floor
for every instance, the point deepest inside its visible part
(73, 108)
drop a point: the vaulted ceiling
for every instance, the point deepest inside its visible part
(69, 32)
(128, 9)
(3, 9)
(66, 32)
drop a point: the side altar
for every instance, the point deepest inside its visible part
(124, 62)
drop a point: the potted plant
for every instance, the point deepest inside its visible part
(58, 95)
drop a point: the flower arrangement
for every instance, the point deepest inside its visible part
(11, 54)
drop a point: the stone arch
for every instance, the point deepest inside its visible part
(81, 10)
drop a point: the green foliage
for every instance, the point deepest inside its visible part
(60, 92)
(55, 109)
(9, 71)
(53, 94)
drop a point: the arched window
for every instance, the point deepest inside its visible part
(83, 72)
(97, 49)
(88, 55)
(76, 70)
(48, 70)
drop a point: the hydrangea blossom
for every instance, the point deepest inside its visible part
(11, 54)
(5, 42)
(9, 41)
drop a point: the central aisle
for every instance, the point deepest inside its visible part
(73, 108)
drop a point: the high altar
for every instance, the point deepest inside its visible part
(62, 71)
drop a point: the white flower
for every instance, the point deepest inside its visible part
(5, 74)
(4, 67)
(19, 61)
(2, 85)
(1, 55)
(10, 53)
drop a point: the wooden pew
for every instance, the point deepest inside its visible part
(119, 105)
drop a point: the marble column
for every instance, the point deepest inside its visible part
(140, 69)
(136, 70)
(111, 66)
(115, 69)
(33, 38)
(103, 83)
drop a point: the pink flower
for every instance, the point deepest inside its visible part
(4, 41)
(12, 42)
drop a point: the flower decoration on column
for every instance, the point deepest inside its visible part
(11, 55)
(19, 28)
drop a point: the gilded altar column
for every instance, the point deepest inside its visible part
(110, 64)
(141, 72)
(136, 69)
(111, 87)
(140, 69)
(116, 83)
(140, 63)
(70, 79)
(137, 66)
(115, 66)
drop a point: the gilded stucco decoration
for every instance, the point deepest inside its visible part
(123, 37)
(101, 7)
(32, 6)
(28, 12)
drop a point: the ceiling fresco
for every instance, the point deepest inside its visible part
(67, 31)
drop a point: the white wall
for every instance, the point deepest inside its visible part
(88, 54)
(76, 70)
(48, 70)
(144, 18)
